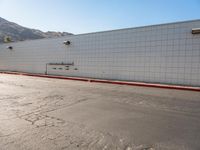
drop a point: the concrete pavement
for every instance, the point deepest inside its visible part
(51, 114)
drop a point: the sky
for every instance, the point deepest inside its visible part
(84, 16)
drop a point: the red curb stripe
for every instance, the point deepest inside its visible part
(151, 85)
(56, 77)
(164, 86)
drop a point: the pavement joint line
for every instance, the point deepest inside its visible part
(142, 84)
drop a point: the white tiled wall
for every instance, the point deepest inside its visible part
(166, 53)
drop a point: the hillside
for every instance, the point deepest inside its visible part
(19, 33)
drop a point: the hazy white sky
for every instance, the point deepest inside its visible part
(81, 16)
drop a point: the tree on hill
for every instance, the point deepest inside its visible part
(7, 39)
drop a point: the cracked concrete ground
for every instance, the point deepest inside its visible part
(51, 114)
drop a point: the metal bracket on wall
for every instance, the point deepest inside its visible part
(196, 31)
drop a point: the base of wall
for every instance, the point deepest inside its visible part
(165, 86)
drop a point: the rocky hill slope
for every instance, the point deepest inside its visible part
(14, 32)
